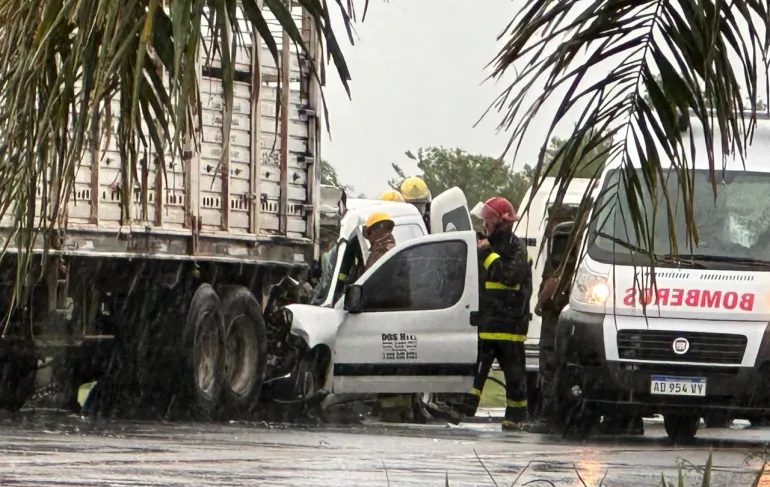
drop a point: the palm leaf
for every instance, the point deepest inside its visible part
(65, 61)
(655, 60)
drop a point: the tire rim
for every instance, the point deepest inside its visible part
(240, 356)
(206, 346)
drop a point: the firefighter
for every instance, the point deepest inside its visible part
(393, 408)
(503, 316)
(415, 191)
(552, 296)
(379, 232)
(392, 195)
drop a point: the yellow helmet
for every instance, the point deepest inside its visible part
(379, 217)
(392, 195)
(415, 190)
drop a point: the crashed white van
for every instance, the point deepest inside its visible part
(690, 338)
(404, 325)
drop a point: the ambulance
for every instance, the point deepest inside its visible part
(684, 334)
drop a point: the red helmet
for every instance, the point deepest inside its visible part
(498, 208)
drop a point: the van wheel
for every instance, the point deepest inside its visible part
(17, 380)
(310, 372)
(245, 351)
(681, 429)
(201, 354)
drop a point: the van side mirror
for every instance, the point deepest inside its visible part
(354, 299)
(558, 247)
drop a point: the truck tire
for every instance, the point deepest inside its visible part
(245, 351)
(17, 380)
(201, 354)
(681, 429)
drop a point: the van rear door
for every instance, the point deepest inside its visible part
(449, 212)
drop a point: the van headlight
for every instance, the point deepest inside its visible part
(590, 288)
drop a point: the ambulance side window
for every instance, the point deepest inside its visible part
(425, 277)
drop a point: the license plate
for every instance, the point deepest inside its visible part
(677, 386)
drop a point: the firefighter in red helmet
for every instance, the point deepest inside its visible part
(505, 272)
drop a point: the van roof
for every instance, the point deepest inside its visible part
(359, 209)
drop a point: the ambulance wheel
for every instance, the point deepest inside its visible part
(681, 429)
(201, 355)
(245, 351)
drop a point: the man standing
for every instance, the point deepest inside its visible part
(552, 296)
(416, 192)
(505, 272)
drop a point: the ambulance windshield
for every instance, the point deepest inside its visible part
(735, 224)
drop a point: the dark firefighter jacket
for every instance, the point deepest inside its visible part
(505, 270)
(380, 248)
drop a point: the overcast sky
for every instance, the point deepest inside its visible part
(418, 81)
(417, 70)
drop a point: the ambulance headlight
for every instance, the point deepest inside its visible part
(590, 288)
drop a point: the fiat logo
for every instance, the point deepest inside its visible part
(681, 346)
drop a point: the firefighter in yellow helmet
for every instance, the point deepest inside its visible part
(392, 195)
(379, 232)
(415, 191)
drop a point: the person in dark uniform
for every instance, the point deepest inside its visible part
(505, 275)
(416, 192)
(552, 297)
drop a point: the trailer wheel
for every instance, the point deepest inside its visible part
(17, 380)
(681, 429)
(201, 354)
(245, 352)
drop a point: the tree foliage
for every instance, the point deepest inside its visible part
(479, 176)
(329, 174)
(590, 165)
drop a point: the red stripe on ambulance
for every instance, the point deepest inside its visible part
(691, 298)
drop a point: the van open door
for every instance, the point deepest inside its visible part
(406, 325)
(449, 212)
(363, 243)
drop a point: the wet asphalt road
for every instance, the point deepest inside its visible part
(51, 449)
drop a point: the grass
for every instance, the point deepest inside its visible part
(705, 472)
(493, 395)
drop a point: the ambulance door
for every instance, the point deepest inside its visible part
(407, 326)
(449, 212)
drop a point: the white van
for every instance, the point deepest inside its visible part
(404, 325)
(689, 338)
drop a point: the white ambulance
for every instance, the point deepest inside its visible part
(689, 338)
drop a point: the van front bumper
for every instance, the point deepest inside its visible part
(613, 385)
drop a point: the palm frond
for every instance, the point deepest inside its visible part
(631, 70)
(68, 64)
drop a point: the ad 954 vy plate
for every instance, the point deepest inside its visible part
(677, 386)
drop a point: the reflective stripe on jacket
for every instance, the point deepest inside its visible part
(505, 270)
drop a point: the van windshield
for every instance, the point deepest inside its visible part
(734, 226)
